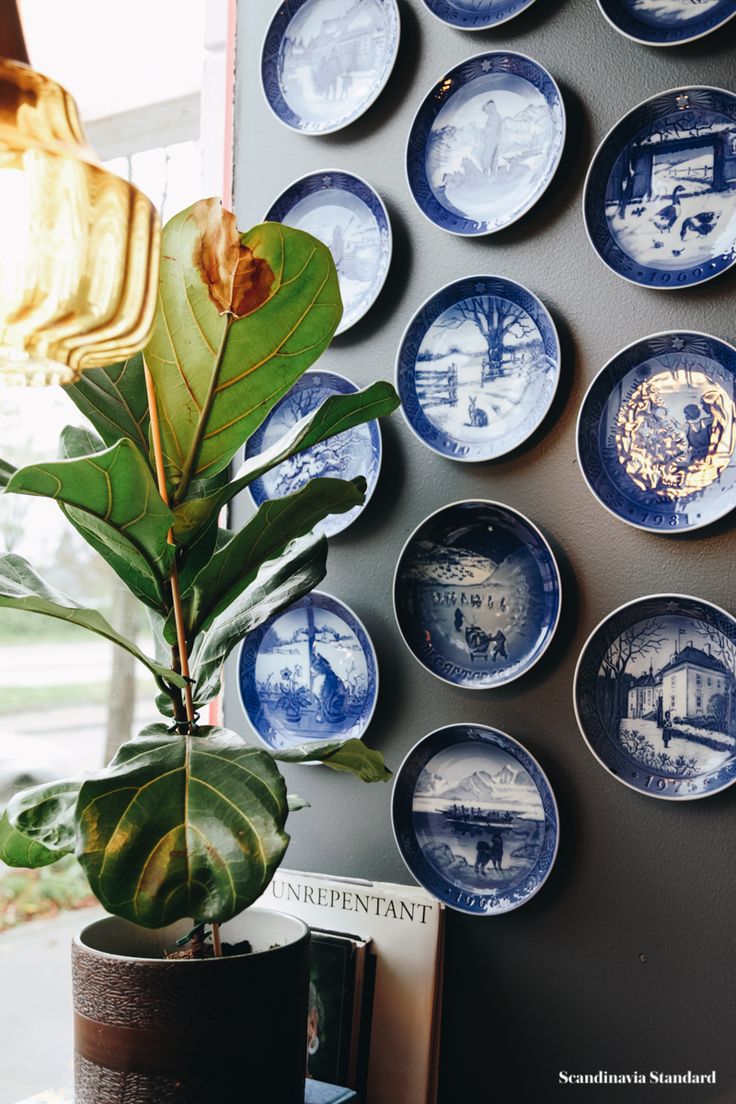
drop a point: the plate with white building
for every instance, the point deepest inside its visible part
(475, 819)
(655, 696)
(477, 368)
(657, 432)
(324, 62)
(667, 22)
(485, 143)
(660, 197)
(349, 217)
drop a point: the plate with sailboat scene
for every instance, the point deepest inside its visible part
(475, 819)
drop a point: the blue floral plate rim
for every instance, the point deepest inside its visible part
(377, 208)
(403, 793)
(585, 659)
(544, 542)
(402, 369)
(324, 600)
(638, 30)
(598, 380)
(460, 21)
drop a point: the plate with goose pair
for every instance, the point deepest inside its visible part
(477, 368)
(349, 217)
(485, 143)
(477, 594)
(660, 197)
(657, 432)
(654, 696)
(324, 62)
(476, 15)
(356, 451)
(309, 673)
(667, 22)
(475, 819)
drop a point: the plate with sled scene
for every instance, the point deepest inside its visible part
(654, 696)
(478, 368)
(657, 431)
(485, 143)
(660, 197)
(477, 594)
(475, 819)
(309, 673)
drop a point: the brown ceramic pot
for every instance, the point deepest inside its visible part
(197, 1031)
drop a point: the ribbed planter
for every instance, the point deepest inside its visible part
(197, 1031)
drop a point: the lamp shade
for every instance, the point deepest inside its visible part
(79, 246)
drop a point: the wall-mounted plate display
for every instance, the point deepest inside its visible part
(476, 15)
(485, 143)
(657, 431)
(477, 594)
(667, 22)
(655, 696)
(309, 673)
(660, 196)
(475, 819)
(355, 452)
(346, 214)
(478, 367)
(324, 62)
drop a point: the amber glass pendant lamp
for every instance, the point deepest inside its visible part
(79, 246)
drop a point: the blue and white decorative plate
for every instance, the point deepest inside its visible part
(477, 594)
(477, 368)
(657, 432)
(475, 819)
(655, 688)
(667, 22)
(355, 452)
(476, 15)
(309, 673)
(660, 196)
(324, 62)
(485, 143)
(346, 214)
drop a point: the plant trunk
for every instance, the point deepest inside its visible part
(121, 702)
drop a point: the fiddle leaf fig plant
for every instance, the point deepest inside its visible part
(188, 820)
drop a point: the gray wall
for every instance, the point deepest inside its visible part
(626, 958)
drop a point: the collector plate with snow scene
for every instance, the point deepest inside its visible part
(476, 15)
(655, 688)
(485, 143)
(310, 673)
(475, 819)
(355, 452)
(477, 594)
(660, 197)
(346, 214)
(477, 368)
(324, 62)
(667, 22)
(657, 431)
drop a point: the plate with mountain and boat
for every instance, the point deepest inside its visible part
(349, 217)
(324, 62)
(309, 673)
(475, 819)
(657, 431)
(476, 15)
(655, 696)
(667, 22)
(477, 594)
(478, 368)
(485, 143)
(353, 452)
(660, 197)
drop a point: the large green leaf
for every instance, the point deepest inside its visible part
(182, 827)
(239, 319)
(16, 849)
(114, 400)
(336, 415)
(39, 824)
(350, 755)
(22, 588)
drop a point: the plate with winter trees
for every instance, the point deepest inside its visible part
(667, 22)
